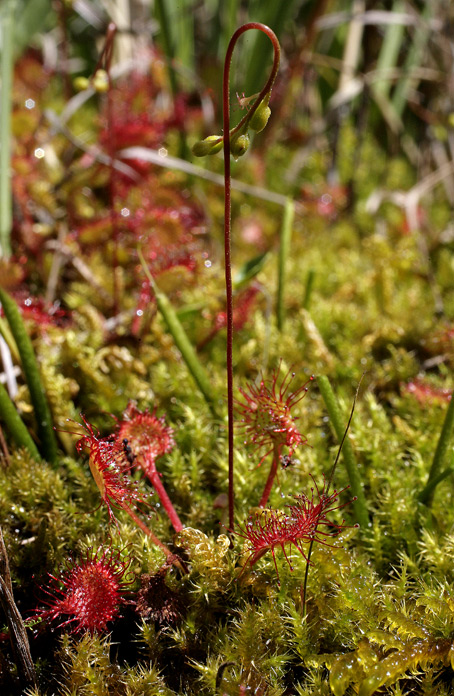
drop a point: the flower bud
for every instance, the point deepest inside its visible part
(101, 81)
(80, 83)
(239, 144)
(209, 146)
(260, 116)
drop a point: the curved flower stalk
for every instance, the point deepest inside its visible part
(110, 469)
(306, 521)
(89, 593)
(267, 421)
(144, 437)
(236, 144)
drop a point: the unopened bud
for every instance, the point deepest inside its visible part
(208, 146)
(260, 116)
(80, 83)
(101, 81)
(239, 144)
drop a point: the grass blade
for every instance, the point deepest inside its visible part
(182, 341)
(336, 418)
(284, 248)
(435, 474)
(33, 377)
(15, 425)
(7, 39)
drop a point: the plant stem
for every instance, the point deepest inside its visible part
(33, 377)
(271, 476)
(284, 248)
(7, 25)
(334, 412)
(227, 223)
(149, 467)
(153, 537)
(426, 495)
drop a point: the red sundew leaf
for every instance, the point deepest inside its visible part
(88, 594)
(269, 529)
(145, 434)
(266, 415)
(426, 393)
(110, 468)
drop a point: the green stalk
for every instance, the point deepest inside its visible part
(284, 248)
(162, 12)
(181, 339)
(426, 495)
(335, 415)
(389, 52)
(33, 377)
(5, 127)
(414, 56)
(308, 288)
(15, 425)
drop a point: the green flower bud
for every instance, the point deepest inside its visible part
(239, 144)
(209, 146)
(101, 81)
(260, 116)
(80, 83)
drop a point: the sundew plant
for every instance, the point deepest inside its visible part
(226, 343)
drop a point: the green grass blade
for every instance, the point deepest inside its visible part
(338, 425)
(389, 52)
(414, 58)
(426, 495)
(182, 341)
(15, 425)
(284, 249)
(310, 278)
(255, 61)
(31, 371)
(167, 40)
(7, 42)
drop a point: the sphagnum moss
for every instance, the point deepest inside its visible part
(378, 607)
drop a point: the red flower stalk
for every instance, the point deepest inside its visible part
(89, 593)
(304, 523)
(110, 468)
(267, 420)
(145, 437)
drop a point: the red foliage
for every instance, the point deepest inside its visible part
(109, 466)
(89, 593)
(426, 393)
(146, 435)
(304, 522)
(266, 416)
